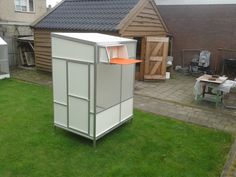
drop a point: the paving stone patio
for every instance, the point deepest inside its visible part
(180, 90)
(32, 75)
(173, 98)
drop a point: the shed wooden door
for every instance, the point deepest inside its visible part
(155, 58)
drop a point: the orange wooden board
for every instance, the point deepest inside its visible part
(124, 61)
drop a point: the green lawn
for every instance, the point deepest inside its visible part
(150, 146)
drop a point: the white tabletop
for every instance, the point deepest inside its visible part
(206, 78)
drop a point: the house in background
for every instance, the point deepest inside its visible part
(15, 19)
(200, 24)
(136, 19)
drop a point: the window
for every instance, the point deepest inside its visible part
(24, 5)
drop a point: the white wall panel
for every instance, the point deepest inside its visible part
(72, 50)
(59, 81)
(60, 115)
(78, 79)
(126, 109)
(78, 114)
(107, 119)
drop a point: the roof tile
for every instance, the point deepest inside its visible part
(94, 15)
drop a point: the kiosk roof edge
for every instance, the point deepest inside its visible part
(94, 37)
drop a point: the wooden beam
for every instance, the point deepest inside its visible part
(149, 11)
(157, 39)
(45, 44)
(146, 70)
(165, 53)
(138, 33)
(144, 29)
(143, 53)
(155, 67)
(156, 58)
(154, 77)
(153, 3)
(43, 54)
(147, 20)
(156, 49)
(132, 14)
(145, 24)
(143, 15)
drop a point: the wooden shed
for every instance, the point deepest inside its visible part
(138, 19)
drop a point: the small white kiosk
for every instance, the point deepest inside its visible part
(93, 79)
(4, 64)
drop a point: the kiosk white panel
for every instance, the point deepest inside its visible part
(63, 48)
(78, 114)
(126, 109)
(107, 119)
(78, 79)
(108, 85)
(127, 81)
(59, 81)
(60, 115)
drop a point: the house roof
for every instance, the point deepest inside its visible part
(84, 15)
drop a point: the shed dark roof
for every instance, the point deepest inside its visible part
(93, 15)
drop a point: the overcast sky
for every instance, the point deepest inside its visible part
(182, 2)
(169, 2)
(52, 2)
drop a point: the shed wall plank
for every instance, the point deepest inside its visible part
(147, 22)
(42, 44)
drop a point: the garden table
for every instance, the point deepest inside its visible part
(209, 85)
